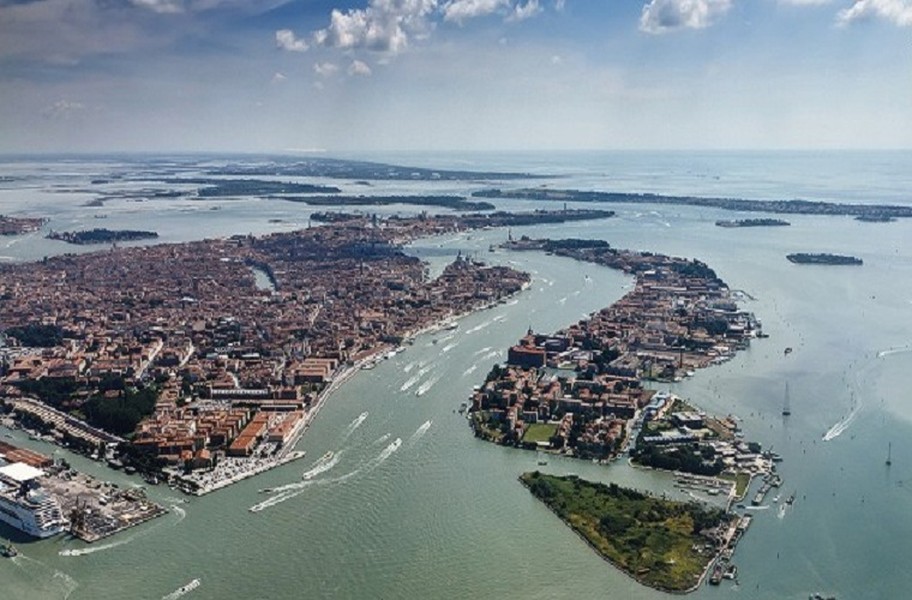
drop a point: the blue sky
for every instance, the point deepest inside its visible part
(275, 75)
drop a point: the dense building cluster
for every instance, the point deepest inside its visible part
(575, 390)
(232, 361)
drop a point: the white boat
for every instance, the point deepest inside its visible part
(25, 505)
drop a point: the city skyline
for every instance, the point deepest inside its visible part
(379, 75)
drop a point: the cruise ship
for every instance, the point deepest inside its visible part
(25, 505)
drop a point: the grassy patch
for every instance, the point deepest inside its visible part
(656, 541)
(742, 480)
(539, 432)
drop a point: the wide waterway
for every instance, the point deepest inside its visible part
(442, 515)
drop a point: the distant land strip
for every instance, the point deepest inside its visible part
(454, 202)
(791, 207)
(101, 236)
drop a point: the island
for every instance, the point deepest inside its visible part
(453, 202)
(804, 258)
(101, 236)
(20, 225)
(170, 359)
(573, 391)
(875, 218)
(792, 207)
(753, 223)
(664, 544)
(359, 170)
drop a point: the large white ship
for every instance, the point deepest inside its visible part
(25, 505)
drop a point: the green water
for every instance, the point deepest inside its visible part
(442, 516)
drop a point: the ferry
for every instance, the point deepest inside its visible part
(25, 505)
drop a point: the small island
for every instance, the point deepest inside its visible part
(804, 258)
(875, 218)
(101, 236)
(664, 544)
(753, 223)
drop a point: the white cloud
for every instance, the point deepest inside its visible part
(521, 12)
(286, 40)
(805, 2)
(384, 26)
(460, 11)
(325, 69)
(359, 68)
(661, 16)
(559, 5)
(279, 77)
(160, 6)
(898, 12)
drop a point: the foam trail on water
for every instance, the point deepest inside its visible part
(414, 378)
(478, 327)
(839, 428)
(491, 354)
(892, 351)
(92, 549)
(382, 438)
(180, 512)
(356, 423)
(448, 347)
(482, 351)
(469, 371)
(184, 589)
(419, 433)
(296, 489)
(426, 386)
(408, 367)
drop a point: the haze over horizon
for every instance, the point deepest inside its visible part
(378, 75)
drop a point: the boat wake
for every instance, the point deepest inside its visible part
(892, 351)
(180, 512)
(408, 367)
(448, 347)
(482, 351)
(513, 302)
(93, 549)
(764, 507)
(562, 300)
(469, 371)
(409, 383)
(356, 423)
(839, 428)
(782, 509)
(381, 439)
(323, 464)
(287, 492)
(69, 584)
(414, 378)
(426, 386)
(184, 589)
(491, 354)
(420, 432)
(478, 327)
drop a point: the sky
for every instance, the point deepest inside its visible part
(474, 75)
